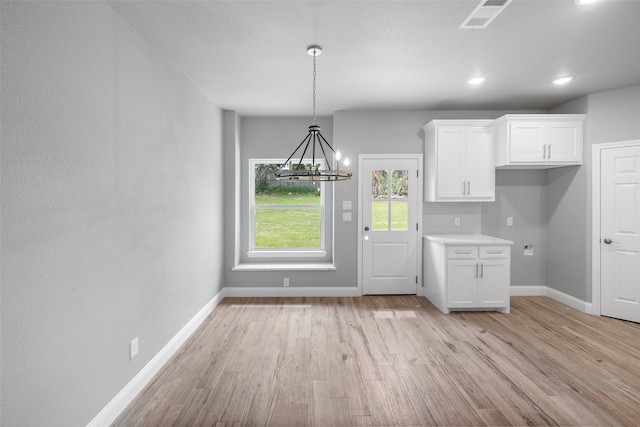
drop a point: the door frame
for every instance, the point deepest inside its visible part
(361, 178)
(595, 218)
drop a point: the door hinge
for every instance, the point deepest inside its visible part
(418, 173)
(416, 280)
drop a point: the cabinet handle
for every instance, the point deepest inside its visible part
(544, 152)
(463, 187)
(476, 269)
(549, 152)
(481, 270)
(468, 187)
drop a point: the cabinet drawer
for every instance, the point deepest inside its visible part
(462, 252)
(495, 252)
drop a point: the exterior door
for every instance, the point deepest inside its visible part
(620, 232)
(389, 191)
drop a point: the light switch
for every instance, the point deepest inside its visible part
(346, 205)
(346, 216)
(509, 221)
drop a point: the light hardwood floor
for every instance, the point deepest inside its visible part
(396, 360)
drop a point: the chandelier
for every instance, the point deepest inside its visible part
(319, 146)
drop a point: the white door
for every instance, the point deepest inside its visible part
(450, 151)
(389, 192)
(620, 232)
(492, 292)
(479, 154)
(565, 142)
(462, 283)
(526, 142)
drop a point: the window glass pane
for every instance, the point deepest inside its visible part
(399, 201)
(379, 200)
(287, 228)
(269, 191)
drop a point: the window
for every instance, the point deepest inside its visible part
(287, 218)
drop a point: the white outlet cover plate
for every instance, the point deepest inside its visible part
(133, 348)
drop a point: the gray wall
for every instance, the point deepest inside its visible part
(611, 116)
(111, 208)
(522, 195)
(276, 137)
(354, 133)
(267, 137)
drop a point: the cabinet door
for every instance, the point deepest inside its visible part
(450, 146)
(493, 283)
(479, 164)
(565, 142)
(462, 288)
(526, 142)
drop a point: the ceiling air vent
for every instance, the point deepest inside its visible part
(484, 13)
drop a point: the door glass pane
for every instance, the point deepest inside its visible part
(399, 200)
(379, 200)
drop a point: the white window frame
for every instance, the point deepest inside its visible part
(254, 252)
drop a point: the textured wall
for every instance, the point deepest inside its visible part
(611, 116)
(111, 208)
(521, 195)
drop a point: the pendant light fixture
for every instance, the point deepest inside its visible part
(299, 172)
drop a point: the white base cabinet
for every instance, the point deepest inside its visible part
(538, 141)
(467, 272)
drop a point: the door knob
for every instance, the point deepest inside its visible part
(608, 241)
(366, 228)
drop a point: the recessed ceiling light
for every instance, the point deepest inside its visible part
(476, 81)
(562, 80)
(585, 2)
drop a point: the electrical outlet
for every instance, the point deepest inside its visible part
(285, 282)
(133, 348)
(509, 221)
(456, 221)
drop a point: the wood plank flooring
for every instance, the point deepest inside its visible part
(396, 361)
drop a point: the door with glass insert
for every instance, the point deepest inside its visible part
(390, 226)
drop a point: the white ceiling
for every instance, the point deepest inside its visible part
(250, 56)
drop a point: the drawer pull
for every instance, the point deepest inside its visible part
(495, 252)
(463, 252)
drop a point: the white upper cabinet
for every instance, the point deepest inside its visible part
(538, 140)
(459, 161)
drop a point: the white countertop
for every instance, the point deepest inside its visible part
(466, 239)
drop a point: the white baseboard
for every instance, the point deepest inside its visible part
(118, 404)
(351, 291)
(573, 302)
(527, 291)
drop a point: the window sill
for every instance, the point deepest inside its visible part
(307, 266)
(287, 254)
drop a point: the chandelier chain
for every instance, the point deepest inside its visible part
(314, 88)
